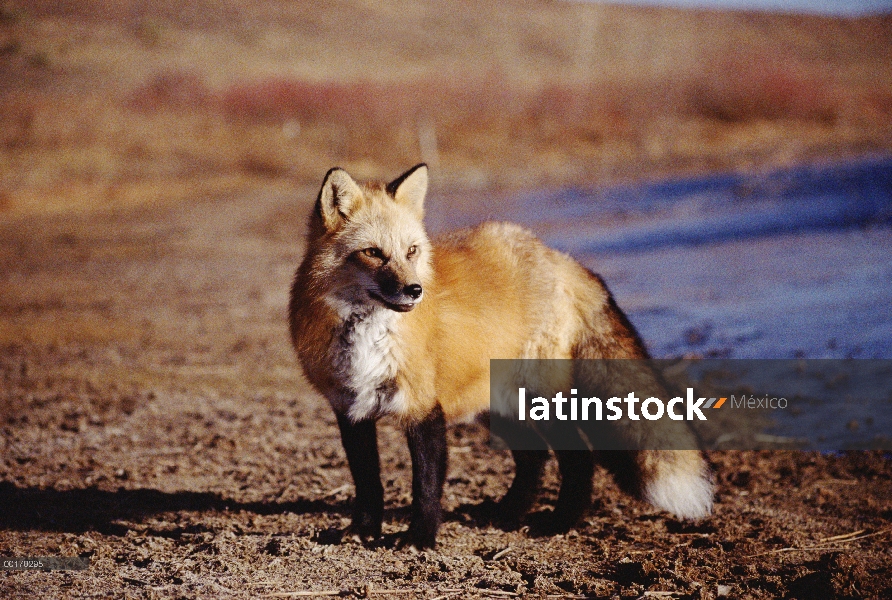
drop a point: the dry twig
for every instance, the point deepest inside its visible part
(841, 539)
(303, 594)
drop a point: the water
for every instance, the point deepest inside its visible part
(794, 263)
(848, 8)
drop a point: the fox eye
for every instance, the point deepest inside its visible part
(413, 250)
(374, 253)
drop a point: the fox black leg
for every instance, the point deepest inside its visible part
(530, 453)
(577, 466)
(361, 445)
(427, 444)
(577, 469)
(528, 467)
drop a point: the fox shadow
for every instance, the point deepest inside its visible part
(114, 512)
(107, 512)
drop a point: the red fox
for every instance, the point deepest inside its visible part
(387, 322)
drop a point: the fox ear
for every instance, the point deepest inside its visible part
(410, 187)
(337, 198)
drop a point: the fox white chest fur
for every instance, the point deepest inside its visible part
(364, 356)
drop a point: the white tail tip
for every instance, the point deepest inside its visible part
(686, 495)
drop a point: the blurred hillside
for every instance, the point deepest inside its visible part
(115, 103)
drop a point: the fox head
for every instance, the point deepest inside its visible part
(369, 243)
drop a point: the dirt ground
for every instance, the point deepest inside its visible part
(153, 163)
(153, 419)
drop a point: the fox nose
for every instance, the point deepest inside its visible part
(413, 291)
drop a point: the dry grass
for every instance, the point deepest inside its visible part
(115, 104)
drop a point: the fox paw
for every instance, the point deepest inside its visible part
(364, 527)
(420, 538)
(505, 515)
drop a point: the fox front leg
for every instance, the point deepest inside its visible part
(361, 444)
(427, 445)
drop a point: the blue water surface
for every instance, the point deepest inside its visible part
(792, 263)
